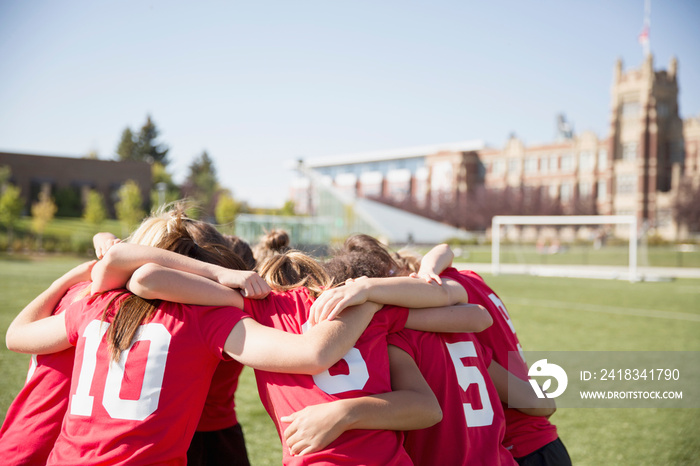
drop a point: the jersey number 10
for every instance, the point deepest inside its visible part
(117, 408)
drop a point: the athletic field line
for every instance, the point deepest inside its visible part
(607, 309)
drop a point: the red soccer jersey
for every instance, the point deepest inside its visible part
(145, 408)
(524, 433)
(363, 371)
(34, 418)
(473, 424)
(220, 407)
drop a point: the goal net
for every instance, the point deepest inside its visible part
(594, 246)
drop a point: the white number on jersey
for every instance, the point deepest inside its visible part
(355, 379)
(117, 408)
(504, 313)
(467, 375)
(32, 368)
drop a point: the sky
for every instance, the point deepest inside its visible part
(261, 84)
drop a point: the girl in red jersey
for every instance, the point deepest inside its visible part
(367, 369)
(219, 439)
(455, 365)
(134, 396)
(41, 404)
(531, 438)
(33, 420)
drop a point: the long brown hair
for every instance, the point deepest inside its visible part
(363, 256)
(185, 236)
(294, 269)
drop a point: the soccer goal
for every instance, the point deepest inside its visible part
(561, 235)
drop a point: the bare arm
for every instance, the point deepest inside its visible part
(412, 405)
(460, 318)
(123, 259)
(153, 281)
(316, 350)
(434, 262)
(518, 394)
(102, 242)
(35, 330)
(249, 342)
(400, 291)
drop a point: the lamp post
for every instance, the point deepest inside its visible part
(161, 187)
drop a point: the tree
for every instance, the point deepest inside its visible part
(226, 210)
(43, 211)
(129, 210)
(11, 205)
(147, 148)
(202, 185)
(95, 212)
(92, 155)
(143, 146)
(288, 209)
(69, 201)
(126, 150)
(5, 174)
(163, 183)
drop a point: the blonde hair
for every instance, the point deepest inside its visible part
(173, 231)
(408, 261)
(294, 269)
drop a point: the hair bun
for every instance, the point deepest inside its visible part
(276, 240)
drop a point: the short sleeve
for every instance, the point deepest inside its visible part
(256, 308)
(73, 312)
(73, 294)
(216, 323)
(394, 317)
(403, 341)
(78, 311)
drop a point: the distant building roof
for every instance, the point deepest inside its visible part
(392, 154)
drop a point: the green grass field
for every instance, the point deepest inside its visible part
(550, 314)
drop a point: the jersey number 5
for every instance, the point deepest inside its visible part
(467, 375)
(117, 408)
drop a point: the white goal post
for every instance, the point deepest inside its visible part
(500, 220)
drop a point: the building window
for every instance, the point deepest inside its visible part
(567, 163)
(441, 177)
(553, 163)
(586, 161)
(626, 184)
(629, 151)
(630, 109)
(531, 165)
(664, 217)
(565, 192)
(602, 191)
(498, 167)
(585, 189)
(602, 159)
(513, 166)
(677, 151)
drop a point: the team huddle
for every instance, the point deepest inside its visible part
(367, 358)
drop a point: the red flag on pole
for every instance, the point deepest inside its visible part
(644, 35)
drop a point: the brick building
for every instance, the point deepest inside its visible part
(634, 170)
(34, 173)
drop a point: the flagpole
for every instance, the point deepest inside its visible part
(644, 38)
